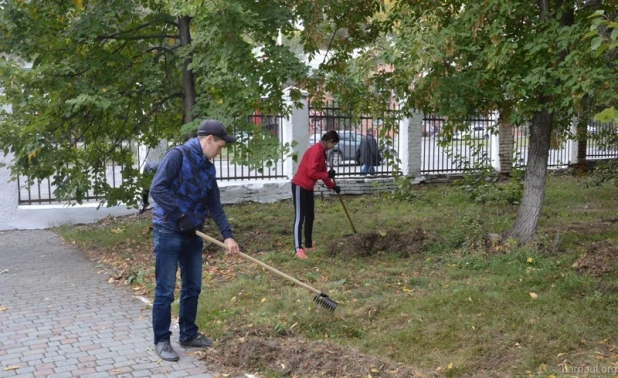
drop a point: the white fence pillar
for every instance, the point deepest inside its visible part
(572, 143)
(411, 144)
(151, 155)
(295, 128)
(494, 142)
(9, 195)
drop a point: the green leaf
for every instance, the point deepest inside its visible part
(605, 116)
(596, 42)
(601, 49)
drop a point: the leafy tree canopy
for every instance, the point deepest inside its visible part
(105, 72)
(527, 60)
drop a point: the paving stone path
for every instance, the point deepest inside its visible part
(59, 318)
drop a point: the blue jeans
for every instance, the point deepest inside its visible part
(368, 168)
(173, 250)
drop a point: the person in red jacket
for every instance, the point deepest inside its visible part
(312, 168)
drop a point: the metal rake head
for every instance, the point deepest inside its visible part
(323, 300)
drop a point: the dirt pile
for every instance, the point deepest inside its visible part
(293, 357)
(373, 243)
(599, 259)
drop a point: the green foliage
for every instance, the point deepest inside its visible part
(88, 80)
(604, 172)
(470, 231)
(404, 190)
(525, 60)
(481, 182)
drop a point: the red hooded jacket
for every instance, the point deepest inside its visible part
(312, 168)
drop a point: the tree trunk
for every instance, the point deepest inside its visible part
(540, 138)
(534, 183)
(188, 80)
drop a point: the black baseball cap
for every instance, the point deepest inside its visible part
(215, 128)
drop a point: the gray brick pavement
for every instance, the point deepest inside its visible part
(62, 319)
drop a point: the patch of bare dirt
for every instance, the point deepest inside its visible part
(374, 243)
(599, 259)
(293, 357)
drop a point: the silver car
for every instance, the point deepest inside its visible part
(345, 150)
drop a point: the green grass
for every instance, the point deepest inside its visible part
(457, 304)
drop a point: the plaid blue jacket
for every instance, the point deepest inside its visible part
(186, 183)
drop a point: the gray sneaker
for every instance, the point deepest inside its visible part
(198, 341)
(165, 351)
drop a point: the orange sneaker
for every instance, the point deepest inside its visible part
(310, 249)
(300, 254)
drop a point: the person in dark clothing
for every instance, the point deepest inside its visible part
(367, 153)
(149, 170)
(185, 191)
(312, 168)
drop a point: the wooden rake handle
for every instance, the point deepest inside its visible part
(345, 209)
(263, 265)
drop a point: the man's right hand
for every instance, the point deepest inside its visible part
(337, 189)
(232, 247)
(185, 225)
(331, 174)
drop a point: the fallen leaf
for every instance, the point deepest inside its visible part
(530, 260)
(11, 368)
(263, 300)
(534, 295)
(382, 233)
(3, 308)
(450, 366)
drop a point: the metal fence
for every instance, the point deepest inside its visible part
(559, 149)
(469, 149)
(265, 130)
(352, 130)
(42, 191)
(466, 150)
(602, 141)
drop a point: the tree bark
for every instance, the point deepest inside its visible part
(529, 211)
(534, 182)
(188, 80)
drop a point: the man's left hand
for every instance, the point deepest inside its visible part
(232, 247)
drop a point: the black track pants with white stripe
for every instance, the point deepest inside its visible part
(304, 213)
